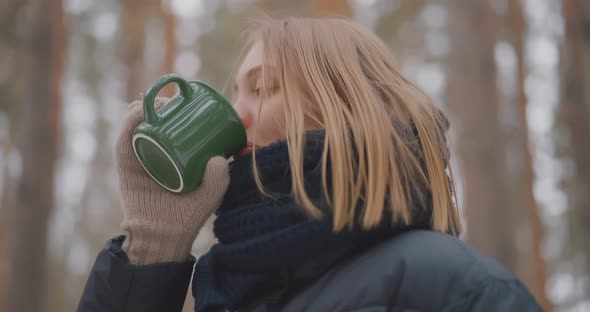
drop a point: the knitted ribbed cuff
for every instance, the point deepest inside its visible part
(149, 243)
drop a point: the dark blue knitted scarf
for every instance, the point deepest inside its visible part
(268, 249)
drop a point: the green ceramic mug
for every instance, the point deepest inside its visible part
(174, 144)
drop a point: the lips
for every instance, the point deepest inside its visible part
(247, 149)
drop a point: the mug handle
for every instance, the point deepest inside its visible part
(150, 115)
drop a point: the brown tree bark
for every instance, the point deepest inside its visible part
(473, 105)
(10, 106)
(536, 279)
(575, 106)
(35, 189)
(7, 205)
(133, 17)
(330, 8)
(167, 66)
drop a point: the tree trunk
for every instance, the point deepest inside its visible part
(35, 189)
(133, 17)
(330, 8)
(576, 110)
(536, 277)
(473, 104)
(167, 66)
(7, 206)
(11, 107)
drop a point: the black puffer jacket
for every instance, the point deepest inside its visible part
(415, 271)
(272, 257)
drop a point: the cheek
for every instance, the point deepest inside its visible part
(245, 111)
(271, 124)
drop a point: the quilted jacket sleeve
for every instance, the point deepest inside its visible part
(116, 285)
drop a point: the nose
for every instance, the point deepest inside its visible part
(244, 114)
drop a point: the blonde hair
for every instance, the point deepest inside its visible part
(337, 76)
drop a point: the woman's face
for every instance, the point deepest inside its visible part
(269, 125)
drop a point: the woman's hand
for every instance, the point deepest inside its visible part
(160, 226)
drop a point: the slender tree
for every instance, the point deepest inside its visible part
(9, 106)
(330, 8)
(537, 274)
(133, 15)
(575, 106)
(35, 189)
(473, 106)
(167, 66)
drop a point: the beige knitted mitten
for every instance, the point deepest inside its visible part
(160, 225)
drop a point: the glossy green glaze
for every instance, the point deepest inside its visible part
(175, 143)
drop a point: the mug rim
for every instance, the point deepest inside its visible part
(150, 139)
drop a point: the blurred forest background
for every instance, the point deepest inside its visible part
(513, 76)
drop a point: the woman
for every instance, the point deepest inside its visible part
(341, 202)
